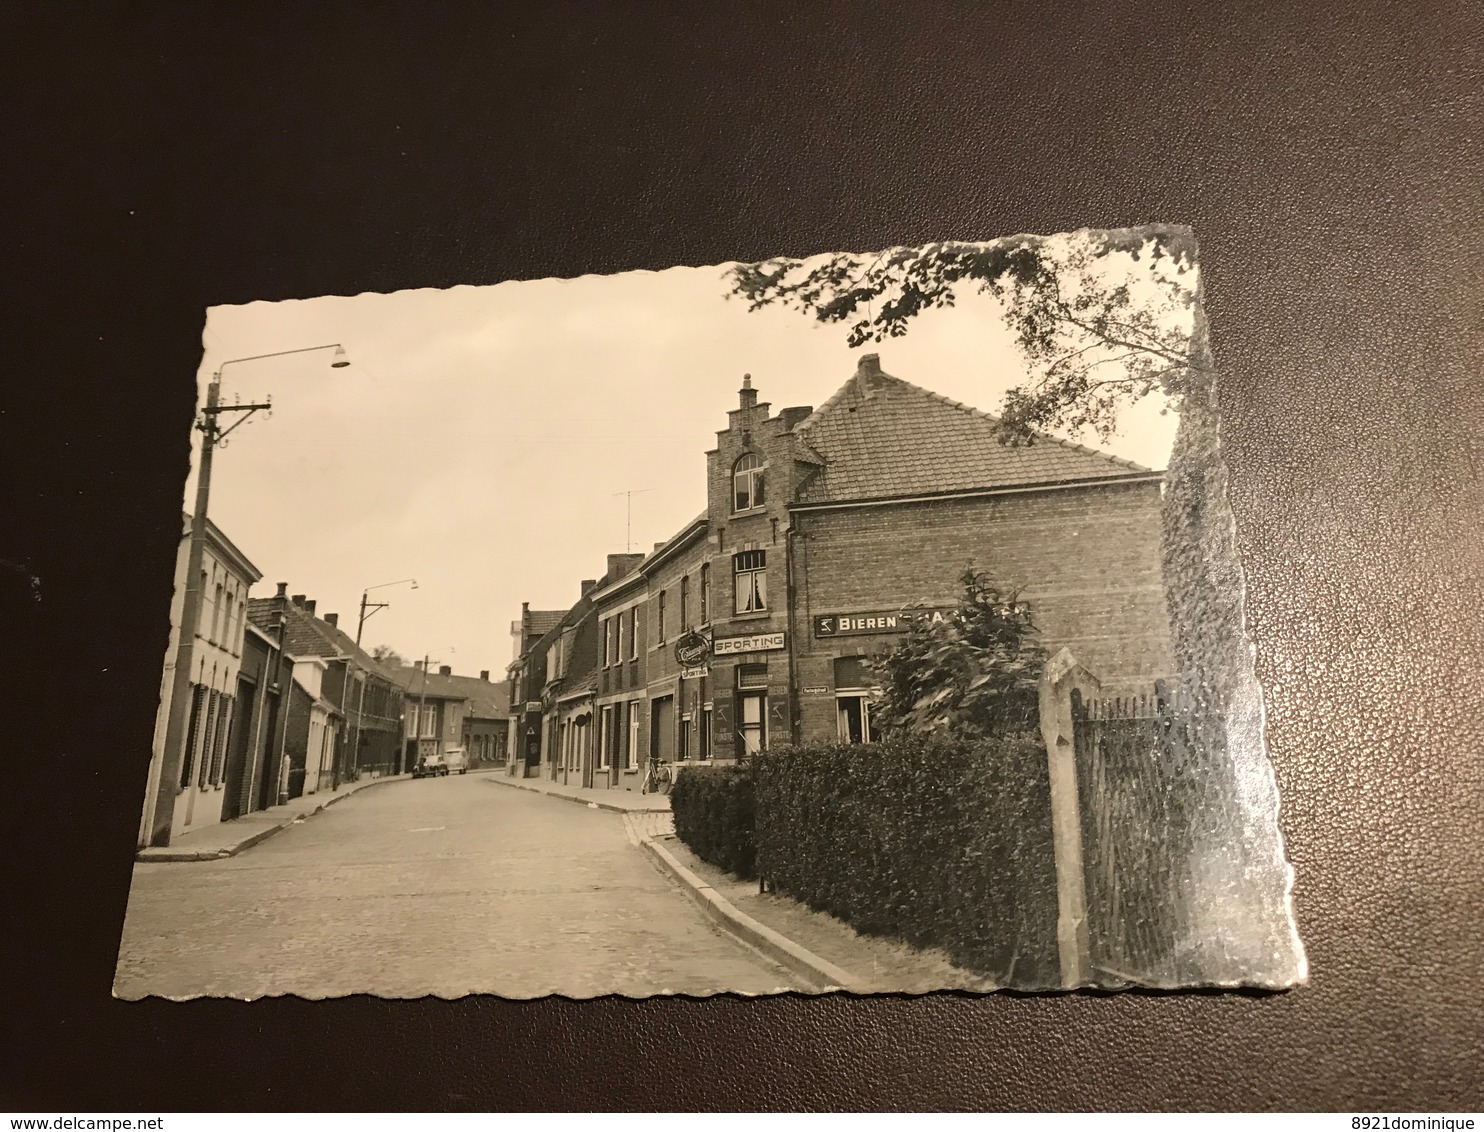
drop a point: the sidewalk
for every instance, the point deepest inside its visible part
(620, 801)
(827, 951)
(228, 838)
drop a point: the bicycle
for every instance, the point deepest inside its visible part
(658, 778)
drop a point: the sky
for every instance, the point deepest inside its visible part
(482, 437)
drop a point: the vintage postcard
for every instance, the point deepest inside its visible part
(861, 621)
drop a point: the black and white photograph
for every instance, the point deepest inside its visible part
(863, 621)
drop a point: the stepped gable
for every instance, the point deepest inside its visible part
(881, 437)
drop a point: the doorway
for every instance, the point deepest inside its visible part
(662, 729)
(236, 777)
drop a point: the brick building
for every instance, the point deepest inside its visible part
(821, 527)
(911, 488)
(620, 692)
(525, 676)
(360, 692)
(754, 624)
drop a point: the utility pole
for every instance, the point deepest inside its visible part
(422, 699)
(176, 740)
(628, 525)
(368, 607)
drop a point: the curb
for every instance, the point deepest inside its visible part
(572, 798)
(176, 856)
(798, 959)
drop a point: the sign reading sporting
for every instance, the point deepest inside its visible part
(692, 649)
(856, 624)
(760, 642)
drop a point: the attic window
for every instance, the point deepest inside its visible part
(747, 482)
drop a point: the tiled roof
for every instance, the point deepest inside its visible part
(487, 699)
(882, 437)
(306, 635)
(543, 621)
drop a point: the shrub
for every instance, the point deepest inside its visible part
(974, 673)
(941, 843)
(714, 815)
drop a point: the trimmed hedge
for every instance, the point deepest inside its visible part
(715, 815)
(942, 844)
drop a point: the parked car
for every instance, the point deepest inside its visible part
(431, 766)
(456, 760)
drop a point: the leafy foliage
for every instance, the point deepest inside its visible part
(974, 673)
(388, 656)
(1096, 335)
(942, 844)
(714, 815)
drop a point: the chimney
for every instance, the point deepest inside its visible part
(417, 664)
(588, 585)
(792, 417)
(445, 670)
(298, 599)
(484, 674)
(309, 608)
(332, 620)
(622, 565)
(866, 371)
(283, 589)
(658, 545)
(747, 396)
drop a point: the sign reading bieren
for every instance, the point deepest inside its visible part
(761, 642)
(854, 624)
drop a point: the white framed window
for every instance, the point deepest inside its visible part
(605, 735)
(607, 642)
(685, 603)
(750, 581)
(208, 740)
(703, 739)
(634, 633)
(853, 717)
(223, 733)
(660, 619)
(752, 721)
(618, 641)
(747, 482)
(705, 595)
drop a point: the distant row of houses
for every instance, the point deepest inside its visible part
(753, 624)
(284, 703)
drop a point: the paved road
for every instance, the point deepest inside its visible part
(443, 886)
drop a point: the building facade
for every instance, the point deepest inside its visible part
(198, 771)
(526, 676)
(825, 530)
(361, 692)
(266, 674)
(619, 728)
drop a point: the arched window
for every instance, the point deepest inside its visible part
(747, 482)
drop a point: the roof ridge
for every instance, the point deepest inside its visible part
(972, 411)
(839, 395)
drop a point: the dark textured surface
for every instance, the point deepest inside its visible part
(158, 161)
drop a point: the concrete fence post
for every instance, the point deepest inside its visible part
(1062, 675)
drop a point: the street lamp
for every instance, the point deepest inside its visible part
(211, 434)
(376, 606)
